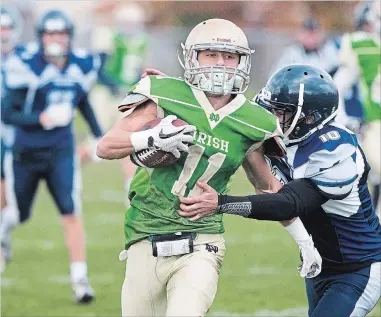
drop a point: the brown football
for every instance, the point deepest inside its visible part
(153, 158)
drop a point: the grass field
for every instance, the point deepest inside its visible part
(258, 278)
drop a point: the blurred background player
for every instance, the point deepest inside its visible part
(40, 103)
(312, 48)
(360, 61)
(123, 47)
(10, 28)
(352, 99)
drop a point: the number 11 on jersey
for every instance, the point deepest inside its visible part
(195, 153)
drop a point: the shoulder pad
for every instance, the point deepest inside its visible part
(329, 160)
(85, 61)
(132, 100)
(17, 72)
(326, 146)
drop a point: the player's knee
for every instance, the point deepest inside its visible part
(25, 214)
(67, 210)
(66, 205)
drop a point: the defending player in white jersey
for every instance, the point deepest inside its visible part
(11, 27)
(327, 172)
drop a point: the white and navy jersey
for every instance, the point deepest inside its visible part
(345, 230)
(7, 131)
(33, 85)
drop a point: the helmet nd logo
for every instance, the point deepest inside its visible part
(214, 117)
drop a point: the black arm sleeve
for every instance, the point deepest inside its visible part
(13, 110)
(295, 198)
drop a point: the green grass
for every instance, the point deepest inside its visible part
(258, 277)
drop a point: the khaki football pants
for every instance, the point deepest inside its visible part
(372, 148)
(183, 285)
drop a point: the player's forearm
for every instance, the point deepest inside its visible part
(294, 199)
(120, 142)
(115, 145)
(22, 120)
(259, 174)
(12, 110)
(124, 137)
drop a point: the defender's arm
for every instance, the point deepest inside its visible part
(295, 198)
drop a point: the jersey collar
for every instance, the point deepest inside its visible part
(214, 117)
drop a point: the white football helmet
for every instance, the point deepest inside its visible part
(217, 35)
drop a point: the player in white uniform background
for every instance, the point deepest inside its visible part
(44, 89)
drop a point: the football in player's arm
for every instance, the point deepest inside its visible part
(219, 116)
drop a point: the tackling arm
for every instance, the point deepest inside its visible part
(295, 198)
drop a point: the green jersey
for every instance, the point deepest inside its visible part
(125, 63)
(365, 51)
(221, 141)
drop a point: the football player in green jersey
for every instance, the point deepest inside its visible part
(173, 263)
(361, 60)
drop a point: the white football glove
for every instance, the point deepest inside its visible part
(165, 137)
(60, 115)
(311, 260)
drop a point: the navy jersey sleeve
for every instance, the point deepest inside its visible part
(12, 110)
(88, 114)
(18, 77)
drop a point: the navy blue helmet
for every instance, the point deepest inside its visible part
(55, 21)
(305, 98)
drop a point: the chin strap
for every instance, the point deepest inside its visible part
(298, 112)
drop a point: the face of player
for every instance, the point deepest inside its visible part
(216, 58)
(6, 34)
(311, 39)
(55, 44)
(285, 118)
